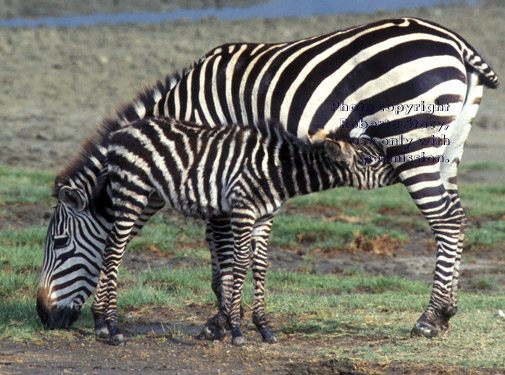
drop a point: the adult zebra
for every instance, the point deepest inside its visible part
(410, 85)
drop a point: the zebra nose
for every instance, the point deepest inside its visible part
(44, 312)
(48, 315)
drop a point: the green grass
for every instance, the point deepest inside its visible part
(366, 317)
(483, 165)
(24, 186)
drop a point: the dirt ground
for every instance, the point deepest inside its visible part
(56, 85)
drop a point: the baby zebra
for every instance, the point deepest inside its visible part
(233, 171)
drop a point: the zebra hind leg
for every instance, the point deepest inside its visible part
(259, 249)
(218, 236)
(450, 238)
(233, 275)
(446, 222)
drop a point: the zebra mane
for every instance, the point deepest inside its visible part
(90, 157)
(275, 129)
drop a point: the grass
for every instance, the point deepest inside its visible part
(483, 165)
(367, 317)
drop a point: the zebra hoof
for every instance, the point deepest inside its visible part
(424, 329)
(117, 340)
(237, 337)
(209, 334)
(102, 333)
(270, 340)
(238, 341)
(267, 335)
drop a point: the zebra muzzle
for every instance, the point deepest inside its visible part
(54, 318)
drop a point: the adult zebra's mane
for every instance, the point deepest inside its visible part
(90, 157)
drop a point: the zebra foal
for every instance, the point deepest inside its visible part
(241, 173)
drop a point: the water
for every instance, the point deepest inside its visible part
(276, 8)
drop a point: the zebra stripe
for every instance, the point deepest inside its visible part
(308, 86)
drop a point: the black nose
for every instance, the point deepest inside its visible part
(56, 318)
(44, 313)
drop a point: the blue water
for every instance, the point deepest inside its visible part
(276, 8)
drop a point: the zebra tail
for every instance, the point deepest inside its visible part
(474, 60)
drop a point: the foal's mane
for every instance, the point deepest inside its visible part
(92, 152)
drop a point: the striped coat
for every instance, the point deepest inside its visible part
(244, 174)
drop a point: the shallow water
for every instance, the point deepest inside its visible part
(271, 9)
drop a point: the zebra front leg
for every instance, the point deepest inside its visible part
(218, 236)
(98, 308)
(114, 250)
(259, 247)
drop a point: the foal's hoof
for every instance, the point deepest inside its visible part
(238, 341)
(237, 338)
(117, 340)
(210, 333)
(267, 335)
(424, 329)
(102, 333)
(270, 340)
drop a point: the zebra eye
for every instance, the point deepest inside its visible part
(60, 241)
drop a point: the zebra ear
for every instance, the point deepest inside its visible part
(339, 151)
(101, 182)
(71, 197)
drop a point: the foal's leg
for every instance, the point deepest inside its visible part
(233, 276)
(220, 240)
(259, 255)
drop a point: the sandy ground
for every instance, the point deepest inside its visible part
(56, 85)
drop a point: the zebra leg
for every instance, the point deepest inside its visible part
(452, 189)
(218, 235)
(454, 154)
(127, 213)
(232, 278)
(98, 307)
(445, 220)
(259, 250)
(114, 251)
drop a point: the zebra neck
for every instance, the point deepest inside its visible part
(307, 169)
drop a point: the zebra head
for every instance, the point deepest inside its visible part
(365, 161)
(73, 255)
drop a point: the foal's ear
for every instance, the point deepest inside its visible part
(72, 197)
(101, 182)
(339, 151)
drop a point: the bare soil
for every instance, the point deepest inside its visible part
(164, 355)
(56, 84)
